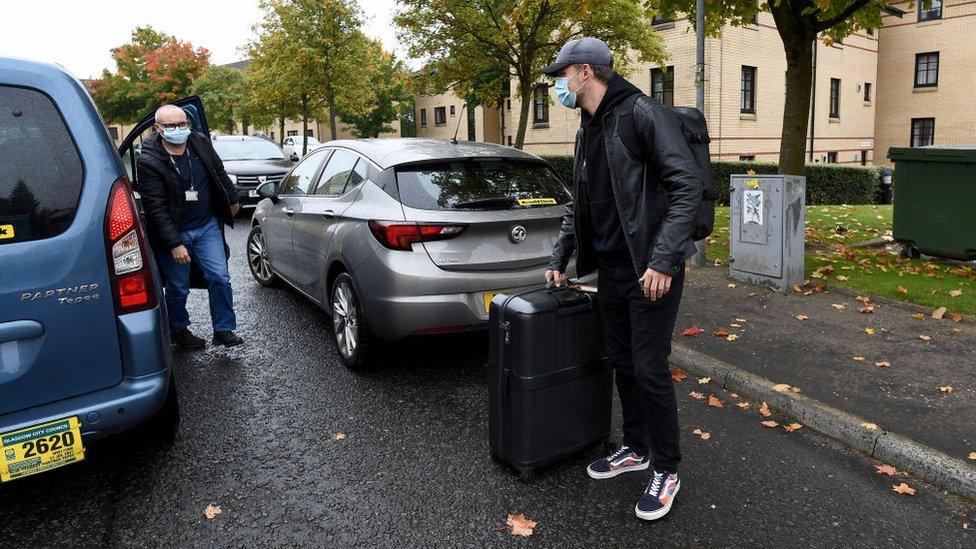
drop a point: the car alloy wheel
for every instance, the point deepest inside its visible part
(257, 258)
(345, 319)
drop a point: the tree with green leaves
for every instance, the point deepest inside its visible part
(477, 46)
(386, 78)
(153, 68)
(318, 46)
(799, 23)
(222, 91)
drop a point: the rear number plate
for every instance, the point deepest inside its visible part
(40, 448)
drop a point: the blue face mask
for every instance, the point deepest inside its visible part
(566, 97)
(176, 136)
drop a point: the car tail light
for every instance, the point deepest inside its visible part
(397, 235)
(133, 286)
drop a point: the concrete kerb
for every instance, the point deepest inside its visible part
(903, 453)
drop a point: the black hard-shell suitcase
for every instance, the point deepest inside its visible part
(550, 391)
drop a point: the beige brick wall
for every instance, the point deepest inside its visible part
(487, 121)
(951, 102)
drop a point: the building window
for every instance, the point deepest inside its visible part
(310, 133)
(508, 104)
(748, 90)
(662, 85)
(927, 69)
(509, 140)
(747, 158)
(423, 117)
(452, 110)
(292, 133)
(835, 97)
(832, 157)
(440, 115)
(656, 20)
(934, 11)
(923, 132)
(113, 131)
(867, 91)
(540, 104)
(864, 158)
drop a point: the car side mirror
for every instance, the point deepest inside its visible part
(294, 157)
(268, 190)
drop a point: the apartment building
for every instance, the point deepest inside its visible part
(442, 115)
(929, 67)
(745, 90)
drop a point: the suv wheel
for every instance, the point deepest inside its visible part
(350, 333)
(257, 258)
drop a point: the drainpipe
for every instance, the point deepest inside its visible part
(813, 97)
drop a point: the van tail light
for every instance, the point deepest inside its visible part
(398, 235)
(130, 271)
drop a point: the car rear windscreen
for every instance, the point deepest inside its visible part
(480, 185)
(40, 170)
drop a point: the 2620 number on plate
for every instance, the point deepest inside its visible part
(40, 448)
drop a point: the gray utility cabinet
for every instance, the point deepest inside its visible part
(766, 229)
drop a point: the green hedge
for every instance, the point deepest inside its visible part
(826, 183)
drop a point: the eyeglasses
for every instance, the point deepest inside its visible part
(181, 126)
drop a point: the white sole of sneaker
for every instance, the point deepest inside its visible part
(610, 474)
(654, 515)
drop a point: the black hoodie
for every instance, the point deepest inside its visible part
(599, 205)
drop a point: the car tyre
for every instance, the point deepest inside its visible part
(257, 258)
(353, 339)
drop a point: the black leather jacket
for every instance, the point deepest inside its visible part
(657, 191)
(159, 185)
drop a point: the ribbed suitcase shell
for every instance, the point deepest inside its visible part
(550, 392)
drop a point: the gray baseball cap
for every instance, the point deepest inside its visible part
(589, 50)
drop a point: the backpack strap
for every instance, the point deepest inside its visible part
(627, 126)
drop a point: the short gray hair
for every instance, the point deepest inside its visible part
(163, 109)
(603, 73)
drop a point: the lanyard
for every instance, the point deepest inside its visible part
(185, 182)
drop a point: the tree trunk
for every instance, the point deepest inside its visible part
(796, 114)
(304, 124)
(525, 101)
(281, 131)
(332, 117)
(245, 123)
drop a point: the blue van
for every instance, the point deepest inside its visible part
(84, 343)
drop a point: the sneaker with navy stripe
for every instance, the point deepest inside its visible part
(659, 495)
(624, 460)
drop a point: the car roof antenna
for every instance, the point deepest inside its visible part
(458, 128)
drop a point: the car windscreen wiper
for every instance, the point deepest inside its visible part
(502, 201)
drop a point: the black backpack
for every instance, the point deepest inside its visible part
(696, 136)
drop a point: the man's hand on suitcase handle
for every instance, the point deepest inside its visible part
(655, 284)
(552, 275)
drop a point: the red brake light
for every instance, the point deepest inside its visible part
(133, 282)
(401, 236)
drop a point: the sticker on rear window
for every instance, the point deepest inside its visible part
(537, 201)
(6, 231)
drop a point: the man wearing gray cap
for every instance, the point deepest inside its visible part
(636, 194)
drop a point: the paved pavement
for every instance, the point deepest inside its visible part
(414, 470)
(816, 355)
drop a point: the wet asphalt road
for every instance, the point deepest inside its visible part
(414, 470)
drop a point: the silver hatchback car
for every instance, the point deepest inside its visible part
(406, 236)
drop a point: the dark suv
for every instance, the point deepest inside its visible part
(251, 161)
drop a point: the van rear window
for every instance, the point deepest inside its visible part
(40, 170)
(480, 185)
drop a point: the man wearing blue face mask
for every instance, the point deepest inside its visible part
(636, 194)
(187, 197)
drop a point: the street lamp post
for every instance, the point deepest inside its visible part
(699, 258)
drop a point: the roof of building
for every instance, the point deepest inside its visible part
(405, 150)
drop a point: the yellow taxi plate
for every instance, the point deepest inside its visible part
(40, 448)
(488, 297)
(536, 201)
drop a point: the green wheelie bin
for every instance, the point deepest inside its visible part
(935, 200)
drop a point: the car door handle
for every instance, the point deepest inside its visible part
(328, 214)
(288, 211)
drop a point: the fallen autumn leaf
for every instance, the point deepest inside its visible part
(947, 389)
(792, 427)
(771, 424)
(520, 526)
(903, 489)
(715, 402)
(678, 375)
(764, 410)
(869, 426)
(883, 364)
(704, 380)
(939, 313)
(691, 332)
(212, 511)
(802, 317)
(696, 395)
(781, 387)
(744, 405)
(338, 436)
(886, 470)
(859, 358)
(925, 338)
(721, 332)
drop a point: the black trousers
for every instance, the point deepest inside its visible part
(637, 335)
